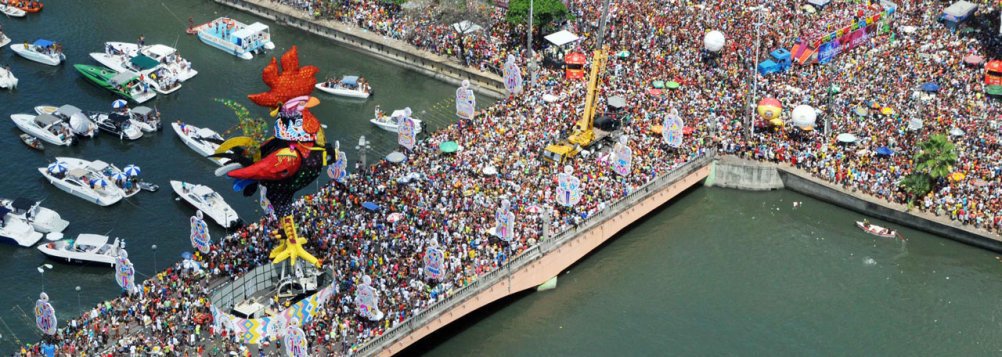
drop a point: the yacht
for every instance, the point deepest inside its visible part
(348, 86)
(16, 229)
(235, 37)
(80, 124)
(151, 71)
(46, 127)
(42, 219)
(76, 180)
(117, 124)
(110, 172)
(41, 51)
(85, 248)
(166, 55)
(204, 141)
(391, 122)
(207, 200)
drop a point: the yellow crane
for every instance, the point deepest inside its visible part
(584, 133)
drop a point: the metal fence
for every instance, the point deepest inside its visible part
(538, 251)
(262, 277)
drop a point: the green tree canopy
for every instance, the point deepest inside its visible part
(936, 156)
(544, 12)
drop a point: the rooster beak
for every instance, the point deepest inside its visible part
(274, 112)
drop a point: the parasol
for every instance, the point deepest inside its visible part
(490, 170)
(973, 59)
(887, 111)
(396, 157)
(957, 132)
(673, 85)
(846, 138)
(448, 147)
(98, 182)
(393, 217)
(132, 170)
(119, 177)
(658, 84)
(57, 167)
(861, 111)
(915, 124)
(119, 104)
(884, 151)
(930, 87)
(370, 206)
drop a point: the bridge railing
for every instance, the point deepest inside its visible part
(485, 281)
(260, 278)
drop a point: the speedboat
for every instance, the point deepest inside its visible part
(125, 84)
(166, 55)
(11, 11)
(41, 51)
(150, 70)
(235, 37)
(86, 248)
(42, 219)
(46, 127)
(208, 201)
(29, 6)
(348, 86)
(32, 142)
(4, 40)
(116, 124)
(877, 230)
(7, 79)
(16, 229)
(392, 122)
(77, 181)
(110, 172)
(204, 141)
(80, 124)
(146, 119)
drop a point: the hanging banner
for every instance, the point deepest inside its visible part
(295, 341)
(623, 163)
(407, 133)
(255, 331)
(200, 233)
(504, 226)
(671, 130)
(265, 203)
(512, 76)
(338, 171)
(568, 188)
(434, 263)
(466, 101)
(367, 300)
(45, 315)
(125, 273)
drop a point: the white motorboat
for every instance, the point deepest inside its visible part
(876, 230)
(46, 127)
(76, 181)
(16, 229)
(146, 119)
(41, 51)
(11, 11)
(166, 55)
(348, 86)
(42, 219)
(235, 37)
(158, 76)
(80, 124)
(7, 79)
(204, 141)
(392, 122)
(108, 171)
(120, 125)
(86, 248)
(208, 201)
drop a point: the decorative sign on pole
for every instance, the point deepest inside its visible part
(671, 130)
(367, 300)
(200, 233)
(338, 171)
(125, 273)
(295, 340)
(45, 315)
(407, 131)
(512, 76)
(466, 101)
(265, 203)
(568, 188)
(434, 262)
(623, 162)
(504, 226)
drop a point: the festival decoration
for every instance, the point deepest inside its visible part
(45, 315)
(367, 300)
(125, 273)
(504, 219)
(623, 162)
(339, 170)
(200, 238)
(289, 161)
(295, 340)
(265, 203)
(713, 41)
(512, 76)
(673, 130)
(804, 117)
(434, 262)
(466, 101)
(407, 131)
(769, 108)
(568, 188)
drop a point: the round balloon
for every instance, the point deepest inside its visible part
(804, 116)
(769, 108)
(714, 41)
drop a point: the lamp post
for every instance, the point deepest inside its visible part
(362, 146)
(155, 268)
(758, 50)
(41, 270)
(78, 298)
(528, 45)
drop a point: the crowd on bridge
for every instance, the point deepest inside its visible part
(453, 198)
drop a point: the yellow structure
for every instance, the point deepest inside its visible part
(584, 134)
(292, 247)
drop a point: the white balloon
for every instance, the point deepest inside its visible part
(714, 41)
(804, 116)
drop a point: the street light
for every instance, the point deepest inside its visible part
(758, 49)
(41, 270)
(362, 146)
(155, 269)
(79, 307)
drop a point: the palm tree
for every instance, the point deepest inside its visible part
(936, 156)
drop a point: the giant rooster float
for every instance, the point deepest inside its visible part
(290, 160)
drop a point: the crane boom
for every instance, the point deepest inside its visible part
(584, 134)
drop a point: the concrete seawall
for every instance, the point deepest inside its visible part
(743, 174)
(393, 51)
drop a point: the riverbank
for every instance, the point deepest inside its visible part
(394, 51)
(734, 172)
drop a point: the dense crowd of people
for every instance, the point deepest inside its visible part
(452, 199)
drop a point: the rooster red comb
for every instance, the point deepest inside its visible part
(292, 81)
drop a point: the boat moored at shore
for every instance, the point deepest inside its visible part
(235, 37)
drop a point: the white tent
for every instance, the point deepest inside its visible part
(466, 27)
(561, 38)
(959, 11)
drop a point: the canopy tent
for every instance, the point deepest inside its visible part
(144, 62)
(846, 138)
(250, 30)
(561, 38)
(396, 157)
(92, 240)
(43, 43)
(959, 11)
(818, 4)
(46, 120)
(370, 206)
(930, 87)
(349, 80)
(122, 78)
(466, 27)
(142, 111)
(616, 102)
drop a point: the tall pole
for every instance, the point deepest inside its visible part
(532, 58)
(602, 23)
(758, 50)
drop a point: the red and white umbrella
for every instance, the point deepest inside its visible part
(534, 209)
(395, 217)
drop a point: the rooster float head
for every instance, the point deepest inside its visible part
(289, 97)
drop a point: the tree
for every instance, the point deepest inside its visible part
(463, 17)
(544, 12)
(936, 156)
(917, 184)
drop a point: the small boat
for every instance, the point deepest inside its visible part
(11, 11)
(85, 248)
(234, 37)
(125, 84)
(148, 186)
(31, 6)
(80, 124)
(77, 181)
(150, 70)
(204, 141)
(7, 79)
(32, 142)
(146, 119)
(208, 201)
(166, 55)
(116, 124)
(392, 122)
(46, 127)
(877, 230)
(41, 51)
(108, 171)
(42, 219)
(17, 229)
(348, 86)
(4, 40)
